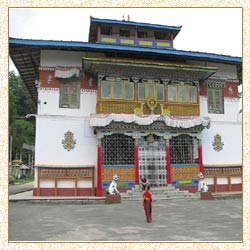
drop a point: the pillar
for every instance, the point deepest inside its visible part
(137, 179)
(200, 156)
(98, 33)
(168, 161)
(99, 167)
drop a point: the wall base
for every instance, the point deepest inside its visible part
(64, 192)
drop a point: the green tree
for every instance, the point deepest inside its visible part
(21, 129)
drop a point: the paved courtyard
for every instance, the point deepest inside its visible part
(202, 220)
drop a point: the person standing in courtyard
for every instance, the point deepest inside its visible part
(147, 203)
(143, 182)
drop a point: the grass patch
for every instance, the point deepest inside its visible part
(24, 181)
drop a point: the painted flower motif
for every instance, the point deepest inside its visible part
(68, 142)
(217, 143)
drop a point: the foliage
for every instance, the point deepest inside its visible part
(21, 129)
(25, 180)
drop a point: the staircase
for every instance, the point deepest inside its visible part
(160, 193)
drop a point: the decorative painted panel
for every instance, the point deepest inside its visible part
(185, 174)
(180, 109)
(126, 175)
(217, 143)
(69, 141)
(222, 171)
(111, 40)
(127, 41)
(115, 107)
(163, 44)
(66, 172)
(145, 43)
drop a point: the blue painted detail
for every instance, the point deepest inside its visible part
(184, 165)
(118, 166)
(216, 167)
(105, 184)
(84, 45)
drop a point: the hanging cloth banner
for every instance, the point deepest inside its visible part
(62, 72)
(102, 120)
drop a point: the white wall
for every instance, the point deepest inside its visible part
(49, 148)
(49, 103)
(231, 136)
(231, 110)
(53, 58)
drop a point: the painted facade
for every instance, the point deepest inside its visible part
(128, 103)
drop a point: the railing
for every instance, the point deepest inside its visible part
(227, 173)
(128, 107)
(222, 171)
(151, 43)
(57, 174)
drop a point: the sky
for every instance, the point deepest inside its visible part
(212, 30)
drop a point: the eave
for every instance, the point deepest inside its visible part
(173, 71)
(26, 53)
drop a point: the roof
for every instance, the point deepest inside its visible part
(130, 23)
(94, 21)
(159, 69)
(25, 54)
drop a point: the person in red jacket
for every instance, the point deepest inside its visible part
(147, 203)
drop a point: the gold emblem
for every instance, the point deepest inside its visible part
(217, 143)
(151, 102)
(68, 142)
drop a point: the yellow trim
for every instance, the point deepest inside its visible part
(160, 44)
(108, 40)
(185, 182)
(126, 41)
(147, 43)
(145, 62)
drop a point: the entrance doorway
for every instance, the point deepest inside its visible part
(152, 160)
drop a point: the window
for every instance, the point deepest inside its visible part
(142, 34)
(106, 90)
(118, 149)
(113, 88)
(149, 89)
(129, 91)
(160, 35)
(184, 150)
(70, 95)
(106, 31)
(215, 100)
(182, 93)
(125, 33)
(192, 92)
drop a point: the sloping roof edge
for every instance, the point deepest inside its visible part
(82, 45)
(132, 23)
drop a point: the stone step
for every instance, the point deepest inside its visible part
(174, 197)
(160, 193)
(161, 196)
